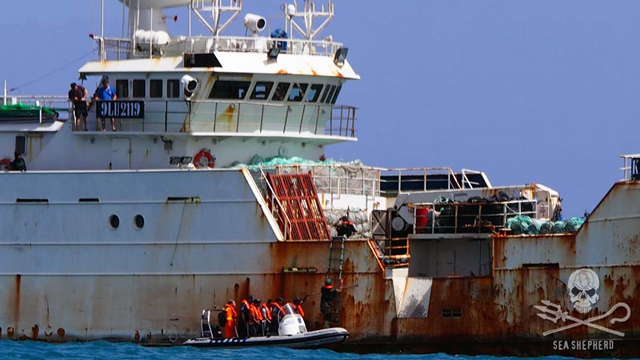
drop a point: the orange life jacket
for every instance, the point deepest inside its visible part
(257, 314)
(267, 311)
(231, 315)
(298, 309)
(279, 309)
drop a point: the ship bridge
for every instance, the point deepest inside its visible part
(181, 96)
(274, 87)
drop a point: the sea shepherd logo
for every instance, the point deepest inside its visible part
(583, 288)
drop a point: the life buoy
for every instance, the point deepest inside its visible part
(5, 164)
(199, 162)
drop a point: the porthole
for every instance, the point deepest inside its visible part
(138, 222)
(114, 222)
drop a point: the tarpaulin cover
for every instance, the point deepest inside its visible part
(23, 111)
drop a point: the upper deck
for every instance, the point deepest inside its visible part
(274, 86)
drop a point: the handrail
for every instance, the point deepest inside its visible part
(207, 44)
(173, 116)
(273, 196)
(473, 220)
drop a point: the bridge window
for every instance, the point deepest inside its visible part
(173, 88)
(231, 90)
(139, 88)
(155, 88)
(314, 93)
(297, 92)
(335, 96)
(332, 91)
(281, 92)
(327, 89)
(122, 88)
(262, 90)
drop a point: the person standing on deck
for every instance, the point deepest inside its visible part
(232, 320)
(78, 96)
(345, 227)
(106, 93)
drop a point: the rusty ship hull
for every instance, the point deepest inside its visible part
(387, 308)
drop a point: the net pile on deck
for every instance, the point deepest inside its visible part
(524, 225)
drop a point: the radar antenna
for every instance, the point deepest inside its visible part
(215, 10)
(309, 14)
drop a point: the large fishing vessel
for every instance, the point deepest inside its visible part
(214, 186)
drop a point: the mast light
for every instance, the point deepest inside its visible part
(341, 56)
(273, 53)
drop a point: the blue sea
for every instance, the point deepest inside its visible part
(104, 350)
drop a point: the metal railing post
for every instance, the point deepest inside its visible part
(286, 118)
(304, 109)
(261, 118)
(341, 116)
(215, 117)
(238, 120)
(317, 120)
(331, 121)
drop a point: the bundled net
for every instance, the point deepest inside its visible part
(524, 225)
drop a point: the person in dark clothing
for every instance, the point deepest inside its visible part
(78, 95)
(277, 312)
(245, 313)
(327, 297)
(345, 227)
(18, 164)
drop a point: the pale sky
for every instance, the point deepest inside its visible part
(528, 91)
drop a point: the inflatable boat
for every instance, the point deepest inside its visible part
(292, 333)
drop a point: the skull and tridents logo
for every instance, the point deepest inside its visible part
(582, 289)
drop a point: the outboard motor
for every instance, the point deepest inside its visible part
(292, 323)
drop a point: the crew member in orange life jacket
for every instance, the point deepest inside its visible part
(245, 312)
(345, 227)
(297, 306)
(277, 312)
(232, 318)
(265, 309)
(256, 327)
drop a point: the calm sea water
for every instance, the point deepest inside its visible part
(104, 350)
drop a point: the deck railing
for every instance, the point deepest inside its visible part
(464, 218)
(59, 104)
(162, 116)
(122, 48)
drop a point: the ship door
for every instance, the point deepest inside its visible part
(121, 154)
(446, 263)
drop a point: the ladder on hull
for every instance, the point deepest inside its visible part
(334, 272)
